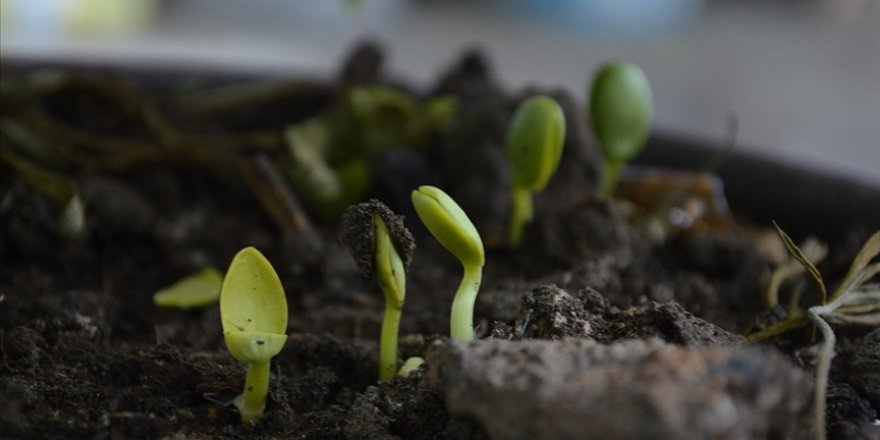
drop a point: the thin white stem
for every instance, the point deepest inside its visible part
(824, 366)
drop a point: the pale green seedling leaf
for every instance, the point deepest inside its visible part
(197, 290)
(449, 225)
(534, 142)
(254, 347)
(620, 110)
(390, 273)
(411, 364)
(253, 307)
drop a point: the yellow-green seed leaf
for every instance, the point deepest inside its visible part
(449, 225)
(411, 364)
(390, 273)
(534, 142)
(620, 109)
(254, 347)
(252, 305)
(196, 290)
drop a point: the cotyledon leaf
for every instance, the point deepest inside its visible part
(197, 290)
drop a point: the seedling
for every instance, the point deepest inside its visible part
(855, 302)
(534, 146)
(253, 311)
(411, 364)
(454, 230)
(382, 247)
(620, 109)
(196, 290)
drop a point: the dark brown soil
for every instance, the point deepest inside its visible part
(86, 353)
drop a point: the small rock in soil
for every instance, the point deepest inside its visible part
(577, 388)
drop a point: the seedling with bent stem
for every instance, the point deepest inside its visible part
(253, 311)
(448, 223)
(534, 146)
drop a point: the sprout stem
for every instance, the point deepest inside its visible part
(388, 342)
(252, 401)
(521, 213)
(826, 353)
(461, 322)
(610, 178)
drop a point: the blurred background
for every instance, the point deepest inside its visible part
(803, 77)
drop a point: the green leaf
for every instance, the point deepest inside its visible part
(197, 290)
(620, 109)
(535, 139)
(411, 364)
(390, 273)
(449, 225)
(252, 306)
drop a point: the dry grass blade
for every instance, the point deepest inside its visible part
(814, 250)
(868, 252)
(796, 252)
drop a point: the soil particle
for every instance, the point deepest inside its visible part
(578, 388)
(406, 408)
(719, 276)
(672, 323)
(116, 206)
(354, 362)
(583, 232)
(549, 312)
(864, 368)
(23, 347)
(848, 415)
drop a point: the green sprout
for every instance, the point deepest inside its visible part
(620, 109)
(381, 246)
(534, 146)
(411, 364)
(453, 229)
(196, 290)
(253, 311)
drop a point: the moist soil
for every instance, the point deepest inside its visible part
(86, 353)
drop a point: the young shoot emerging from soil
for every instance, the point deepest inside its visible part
(253, 311)
(534, 146)
(620, 110)
(382, 248)
(453, 229)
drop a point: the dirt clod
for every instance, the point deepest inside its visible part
(578, 388)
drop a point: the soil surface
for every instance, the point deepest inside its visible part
(592, 319)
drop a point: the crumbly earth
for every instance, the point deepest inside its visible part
(84, 353)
